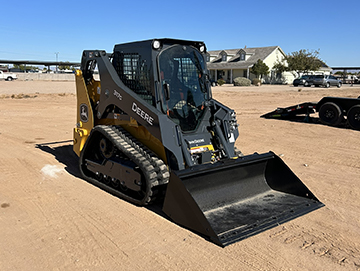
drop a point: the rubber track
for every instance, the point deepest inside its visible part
(160, 168)
(153, 169)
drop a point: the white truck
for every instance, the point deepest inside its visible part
(7, 76)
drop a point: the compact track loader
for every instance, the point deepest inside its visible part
(149, 130)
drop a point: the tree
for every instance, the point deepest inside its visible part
(25, 67)
(280, 67)
(17, 66)
(340, 73)
(64, 66)
(302, 61)
(260, 69)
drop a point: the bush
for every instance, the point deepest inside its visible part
(242, 81)
(256, 82)
(221, 82)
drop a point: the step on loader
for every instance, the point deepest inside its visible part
(148, 130)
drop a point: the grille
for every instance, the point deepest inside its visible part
(134, 73)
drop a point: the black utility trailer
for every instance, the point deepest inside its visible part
(332, 111)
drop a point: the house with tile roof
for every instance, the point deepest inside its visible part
(229, 64)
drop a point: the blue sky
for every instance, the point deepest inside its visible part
(35, 30)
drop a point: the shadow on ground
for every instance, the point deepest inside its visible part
(64, 154)
(312, 120)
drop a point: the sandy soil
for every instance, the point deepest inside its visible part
(50, 219)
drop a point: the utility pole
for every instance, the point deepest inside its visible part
(57, 54)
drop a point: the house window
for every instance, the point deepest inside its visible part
(207, 58)
(223, 58)
(242, 56)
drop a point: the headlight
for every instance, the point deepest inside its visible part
(156, 44)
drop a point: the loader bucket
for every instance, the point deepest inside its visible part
(232, 200)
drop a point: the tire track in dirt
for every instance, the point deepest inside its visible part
(65, 223)
(319, 244)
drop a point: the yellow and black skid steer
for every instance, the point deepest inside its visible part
(149, 130)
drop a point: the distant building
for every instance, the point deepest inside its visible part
(229, 64)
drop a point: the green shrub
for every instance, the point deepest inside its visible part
(256, 82)
(221, 82)
(242, 81)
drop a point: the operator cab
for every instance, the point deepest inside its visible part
(185, 89)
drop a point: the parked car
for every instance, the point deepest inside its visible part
(326, 81)
(306, 80)
(7, 76)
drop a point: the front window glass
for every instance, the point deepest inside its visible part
(184, 88)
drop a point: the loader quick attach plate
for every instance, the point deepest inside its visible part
(232, 200)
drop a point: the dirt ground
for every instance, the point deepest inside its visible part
(50, 219)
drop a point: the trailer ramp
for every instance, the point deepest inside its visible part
(296, 112)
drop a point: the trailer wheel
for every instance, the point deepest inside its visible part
(330, 114)
(353, 117)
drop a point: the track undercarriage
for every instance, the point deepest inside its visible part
(113, 160)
